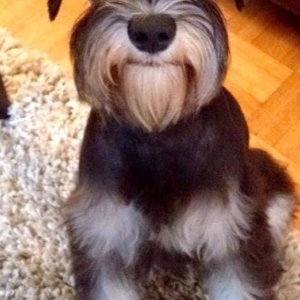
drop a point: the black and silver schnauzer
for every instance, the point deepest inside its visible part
(166, 174)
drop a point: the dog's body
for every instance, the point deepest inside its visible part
(166, 173)
(194, 190)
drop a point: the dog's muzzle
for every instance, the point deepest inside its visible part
(153, 33)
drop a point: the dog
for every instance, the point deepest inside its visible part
(166, 176)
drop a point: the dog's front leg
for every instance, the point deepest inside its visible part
(230, 280)
(104, 279)
(104, 235)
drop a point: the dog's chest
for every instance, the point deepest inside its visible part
(160, 174)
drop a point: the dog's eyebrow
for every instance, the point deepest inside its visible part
(53, 8)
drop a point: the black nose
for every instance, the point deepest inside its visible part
(152, 33)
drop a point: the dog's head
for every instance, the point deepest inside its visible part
(149, 63)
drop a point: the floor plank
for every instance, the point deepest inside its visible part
(280, 112)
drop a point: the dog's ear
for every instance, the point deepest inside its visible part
(240, 4)
(53, 8)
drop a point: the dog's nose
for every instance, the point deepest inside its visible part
(152, 33)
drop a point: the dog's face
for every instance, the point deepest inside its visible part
(149, 63)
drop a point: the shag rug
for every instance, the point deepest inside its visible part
(39, 148)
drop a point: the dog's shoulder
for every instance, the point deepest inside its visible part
(226, 113)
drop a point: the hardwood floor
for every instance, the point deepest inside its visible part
(264, 74)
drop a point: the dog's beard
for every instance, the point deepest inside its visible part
(154, 95)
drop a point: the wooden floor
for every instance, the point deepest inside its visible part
(264, 73)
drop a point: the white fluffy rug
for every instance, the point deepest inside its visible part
(38, 160)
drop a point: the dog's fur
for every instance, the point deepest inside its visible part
(166, 174)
